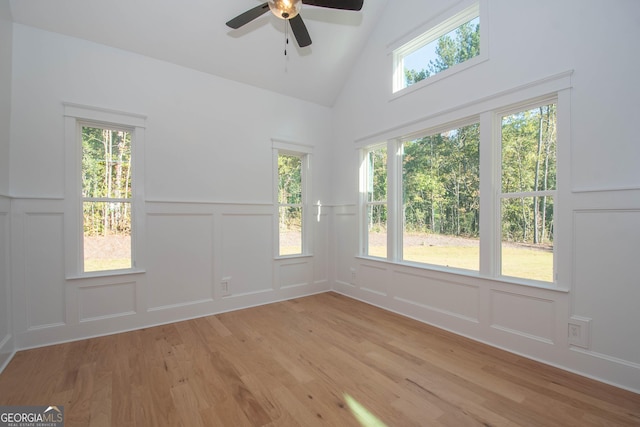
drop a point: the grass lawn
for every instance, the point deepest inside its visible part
(517, 261)
(528, 263)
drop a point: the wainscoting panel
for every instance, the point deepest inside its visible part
(44, 269)
(345, 242)
(518, 314)
(606, 271)
(446, 297)
(247, 252)
(106, 301)
(294, 272)
(180, 259)
(320, 245)
(374, 279)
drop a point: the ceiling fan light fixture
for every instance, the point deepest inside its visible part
(285, 9)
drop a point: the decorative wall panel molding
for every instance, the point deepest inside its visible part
(607, 248)
(373, 279)
(528, 317)
(247, 252)
(44, 269)
(445, 297)
(106, 301)
(294, 273)
(180, 259)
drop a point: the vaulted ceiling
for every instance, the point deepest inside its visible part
(193, 34)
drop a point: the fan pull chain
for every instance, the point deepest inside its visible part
(286, 44)
(286, 36)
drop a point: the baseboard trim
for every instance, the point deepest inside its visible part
(6, 356)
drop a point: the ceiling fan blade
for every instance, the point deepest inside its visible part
(248, 16)
(336, 4)
(300, 31)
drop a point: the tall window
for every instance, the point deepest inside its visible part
(290, 204)
(375, 193)
(106, 198)
(451, 42)
(528, 184)
(441, 200)
(104, 191)
(292, 165)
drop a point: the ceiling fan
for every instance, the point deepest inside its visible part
(289, 10)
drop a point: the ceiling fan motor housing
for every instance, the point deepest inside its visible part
(285, 9)
(289, 10)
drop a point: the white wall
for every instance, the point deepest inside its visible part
(208, 211)
(600, 206)
(6, 36)
(208, 190)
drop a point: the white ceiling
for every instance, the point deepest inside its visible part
(192, 33)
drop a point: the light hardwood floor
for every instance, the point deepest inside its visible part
(319, 360)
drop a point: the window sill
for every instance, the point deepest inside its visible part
(108, 273)
(286, 257)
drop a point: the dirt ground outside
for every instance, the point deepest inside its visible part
(443, 240)
(107, 247)
(518, 260)
(112, 247)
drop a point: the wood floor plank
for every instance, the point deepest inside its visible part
(320, 360)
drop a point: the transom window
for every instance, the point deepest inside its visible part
(453, 41)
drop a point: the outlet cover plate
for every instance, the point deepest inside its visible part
(579, 331)
(224, 286)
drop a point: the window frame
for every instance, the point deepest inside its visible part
(305, 153)
(431, 31)
(488, 111)
(364, 199)
(500, 195)
(76, 117)
(399, 146)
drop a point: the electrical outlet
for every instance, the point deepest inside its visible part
(574, 331)
(579, 332)
(353, 276)
(224, 286)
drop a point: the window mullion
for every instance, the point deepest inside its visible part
(394, 200)
(489, 186)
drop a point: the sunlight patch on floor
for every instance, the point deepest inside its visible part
(362, 414)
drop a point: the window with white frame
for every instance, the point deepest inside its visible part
(107, 198)
(444, 46)
(104, 189)
(374, 171)
(433, 194)
(528, 191)
(441, 198)
(292, 170)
